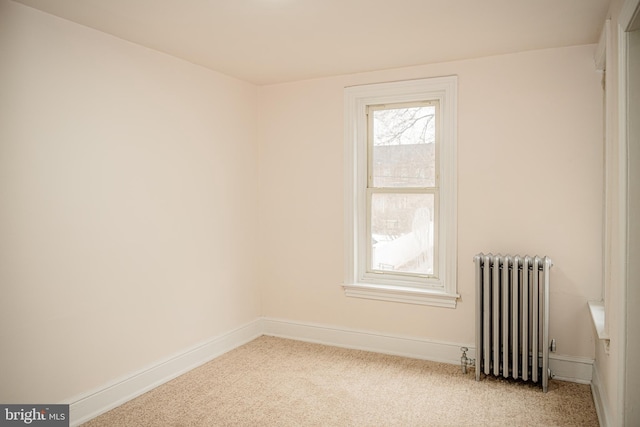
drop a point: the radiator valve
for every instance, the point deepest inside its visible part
(464, 360)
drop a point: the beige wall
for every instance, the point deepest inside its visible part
(128, 184)
(529, 181)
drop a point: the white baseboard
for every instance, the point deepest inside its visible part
(91, 404)
(564, 368)
(602, 409)
(436, 351)
(571, 368)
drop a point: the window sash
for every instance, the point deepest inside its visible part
(369, 272)
(372, 273)
(369, 113)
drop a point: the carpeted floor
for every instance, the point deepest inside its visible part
(277, 382)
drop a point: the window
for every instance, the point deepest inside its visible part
(400, 213)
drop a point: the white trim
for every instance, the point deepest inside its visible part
(597, 310)
(608, 169)
(564, 368)
(625, 20)
(599, 397)
(400, 294)
(573, 369)
(417, 348)
(93, 403)
(356, 98)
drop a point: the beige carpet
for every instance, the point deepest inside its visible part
(278, 382)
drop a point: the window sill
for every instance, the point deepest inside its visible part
(596, 308)
(401, 294)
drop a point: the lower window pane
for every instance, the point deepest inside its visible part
(402, 233)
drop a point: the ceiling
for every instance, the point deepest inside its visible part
(273, 41)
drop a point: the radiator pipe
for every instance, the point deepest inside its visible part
(464, 359)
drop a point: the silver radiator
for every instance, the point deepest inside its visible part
(512, 317)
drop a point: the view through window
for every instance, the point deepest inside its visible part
(402, 188)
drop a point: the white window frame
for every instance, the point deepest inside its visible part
(598, 310)
(438, 291)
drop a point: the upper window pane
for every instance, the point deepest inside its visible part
(403, 146)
